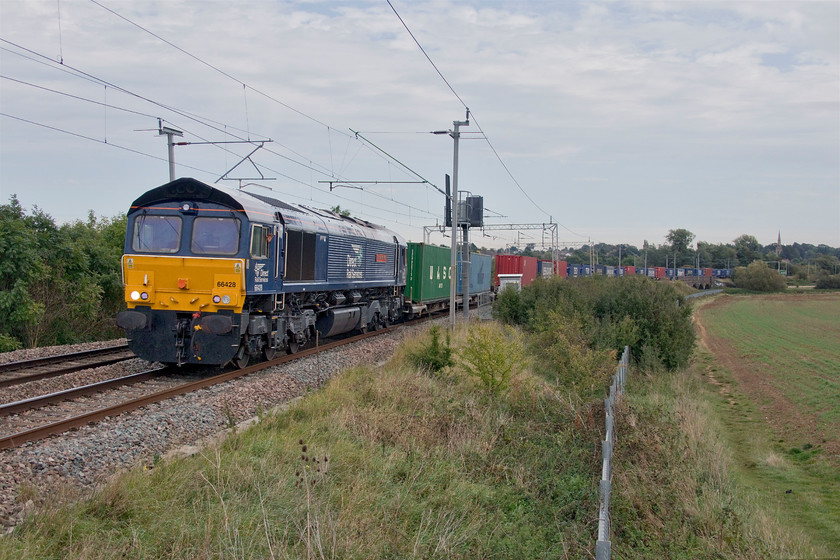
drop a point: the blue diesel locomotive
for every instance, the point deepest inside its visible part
(216, 275)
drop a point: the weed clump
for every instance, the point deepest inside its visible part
(312, 468)
(434, 355)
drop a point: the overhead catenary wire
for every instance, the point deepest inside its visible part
(237, 80)
(475, 120)
(277, 172)
(204, 62)
(138, 152)
(358, 135)
(60, 42)
(201, 120)
(455, 93)
(223, 128)
(78, 98)
(92, 139)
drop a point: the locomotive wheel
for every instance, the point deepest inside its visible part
(241, 358)
(269, 352)
(292, 347)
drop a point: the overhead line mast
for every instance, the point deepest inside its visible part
(453, 263)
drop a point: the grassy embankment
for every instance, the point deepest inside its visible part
(775, 383)
(414, 464)
(397, 463)
(705, 463)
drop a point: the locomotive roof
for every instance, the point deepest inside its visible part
(261, 208)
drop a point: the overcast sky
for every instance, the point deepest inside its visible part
(617, 120)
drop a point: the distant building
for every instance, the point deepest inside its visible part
(779, 245)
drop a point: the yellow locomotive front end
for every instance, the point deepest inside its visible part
(183, 309)
(184, 284)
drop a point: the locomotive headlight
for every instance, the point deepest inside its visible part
(144, 296)
(135, 295)
(226, 299)
(216, 299)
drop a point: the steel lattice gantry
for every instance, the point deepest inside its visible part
(554, 243)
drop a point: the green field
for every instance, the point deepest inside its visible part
(773, 366)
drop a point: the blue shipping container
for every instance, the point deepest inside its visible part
(480, 273)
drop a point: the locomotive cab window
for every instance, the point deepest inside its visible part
(260, 239)
(156, 234)
(215, 236)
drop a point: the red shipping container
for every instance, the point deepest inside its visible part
(708, 272)
(659, 272)
(629, 270)
(561, 269)
(516, 264)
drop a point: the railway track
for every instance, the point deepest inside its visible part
(24, 405)
(25, 371)
(51, 426)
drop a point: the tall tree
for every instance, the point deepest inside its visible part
(680, 240)
(748, 249)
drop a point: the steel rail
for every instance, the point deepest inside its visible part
(37, 402)
(61, 426)
(75, 366)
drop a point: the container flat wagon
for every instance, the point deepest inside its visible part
(428, 280)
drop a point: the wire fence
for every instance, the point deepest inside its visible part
(603, 545)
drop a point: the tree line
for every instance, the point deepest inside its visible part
(59, 284)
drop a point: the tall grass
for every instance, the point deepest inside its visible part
(675, 492)
(407, 464)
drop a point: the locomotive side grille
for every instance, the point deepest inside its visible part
(354, 258)
(380, 261)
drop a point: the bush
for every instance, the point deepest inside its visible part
(8, 343)
(758, 277)
(573, 364)
(493, 354)
(826, 282)
(610, 313)
(509, 307)
(59, 284)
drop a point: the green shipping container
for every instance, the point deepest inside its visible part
(428, 273)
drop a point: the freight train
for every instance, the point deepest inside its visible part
(529, 268)
(215, 275)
